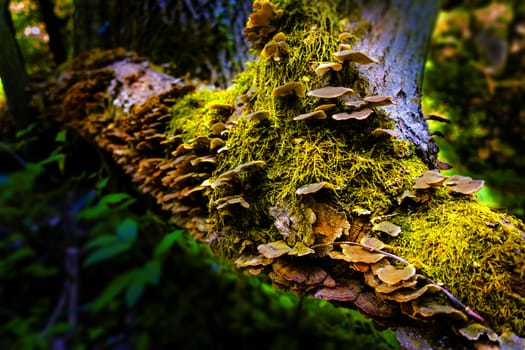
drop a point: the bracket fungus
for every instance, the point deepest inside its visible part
(353, 56)
(381, 131)
(328, 66)
(263, 21)
(330, 92)
(274, 249)
(319, 114)
(429, 179)
(388, 228)
(359, 115)
(378, 101)
(293, 88)
(464, 184)
(312, 188)
(393, 275)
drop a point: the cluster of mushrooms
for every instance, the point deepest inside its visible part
(341, 259)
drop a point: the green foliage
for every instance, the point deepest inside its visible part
(138, 286)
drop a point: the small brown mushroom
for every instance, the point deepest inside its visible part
(258, 115)
(378, 100)
(353, 56)
(325, 107)
(274, 249)
(393, 275)
(229, 200)
(464, 184)
(300, 249)
(359, 115)
(356, 104)
(312, 188)
(348, 292)
(388, 228)
(381, 131)
(291, 88)
(319, 114)
(325, 67)
(330, 92)
(429, 179)
(248, 259)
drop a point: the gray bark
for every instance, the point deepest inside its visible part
(399, 35)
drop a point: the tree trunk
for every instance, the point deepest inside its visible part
(329, 196)
(12, 70)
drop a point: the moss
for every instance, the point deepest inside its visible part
(459, 242)
(451, 239)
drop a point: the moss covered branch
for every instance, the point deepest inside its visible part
(299, 172)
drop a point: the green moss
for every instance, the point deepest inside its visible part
(459, 242)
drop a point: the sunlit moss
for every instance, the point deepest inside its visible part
(473, 258)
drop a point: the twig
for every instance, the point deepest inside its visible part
(451, 296)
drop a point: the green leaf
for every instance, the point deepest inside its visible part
(93, 212)
(103, 240)
(54, 157)
(102, 183)
(133, 292)
(127, 230)
(151, 272)
(114, 288)
(114, 198)
(166, 243)
(106, 252)
(61, 136)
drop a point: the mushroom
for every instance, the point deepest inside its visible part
(388, 228)
(356, 104)
(291, 88)
(352, 253)
(325, 107)
(312, 188)
(378, 100)
(330, 92)
(274, 249)
(303, 274)
(319, 114)
(258, 115)
(300, 249)
(381, 131)
(325, 67)
(229, 200)
(353, 56)
(464, 184)
(248, 259)
(348, 292)
(428, 179)
(393, 275)
(359, 115)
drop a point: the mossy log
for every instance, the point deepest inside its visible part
(338, 204)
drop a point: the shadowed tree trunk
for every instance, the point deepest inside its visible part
(326, 190)
(12, 70)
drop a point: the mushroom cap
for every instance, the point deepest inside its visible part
(352, 253)
(381, 131)
(304, 274)
(353, 56)
(359, 115)
(464, 184)
(319, 114)
(348, 292)
(388, 228)
(330, 92)
(312, 188)
(273, 249)
(258, 115)
(393, 275)
(378, 100)
(248, 259)
(325, 106)
(325, 67)
(428, 179)
(295, 87)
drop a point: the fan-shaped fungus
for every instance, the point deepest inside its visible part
(325, 67)
(330, 92)
(291, 88)
(353, 56)
(319, 114)
(359, 115)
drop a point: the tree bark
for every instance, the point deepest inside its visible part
(12, 70)
(399, 35)
(311, 202)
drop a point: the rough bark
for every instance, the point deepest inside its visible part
(12, 70)
(302, 199)
(399, 35)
